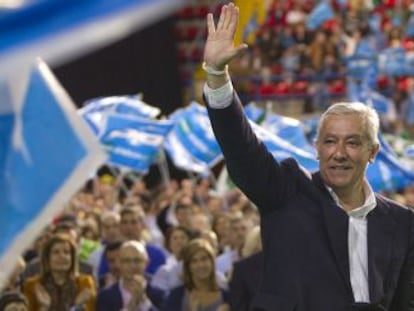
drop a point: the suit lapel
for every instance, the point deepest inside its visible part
(380, 229)
(336, 223)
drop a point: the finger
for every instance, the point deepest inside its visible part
(231, 9)
(222, 17)
(210, 24)
(234, 20)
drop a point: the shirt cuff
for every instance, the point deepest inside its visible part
(219, 98)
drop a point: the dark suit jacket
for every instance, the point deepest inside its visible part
(244, 281)
(110, 299)
(305, 234)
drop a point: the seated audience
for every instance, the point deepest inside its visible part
(200, 291)
(59, 286)
(131, 292)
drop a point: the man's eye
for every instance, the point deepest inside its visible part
(353, 143)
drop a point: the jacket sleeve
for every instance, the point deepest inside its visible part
(251, 166)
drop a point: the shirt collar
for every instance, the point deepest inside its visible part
(362, 211)
(126, 295)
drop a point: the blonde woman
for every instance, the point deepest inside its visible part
(200, 291)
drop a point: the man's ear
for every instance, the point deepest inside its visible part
(374, 152)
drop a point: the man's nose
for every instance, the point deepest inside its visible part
(340, 152)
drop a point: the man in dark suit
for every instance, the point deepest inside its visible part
(329, 242)
(131, 292)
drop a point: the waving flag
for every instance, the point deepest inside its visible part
(320, 14)
(288, 129)
(96, 110)
(282, 149)
(392, 61)
(46, 154)
(254, 113)
(134, 142)
(60, 30)
(388, 173)
(193, 133)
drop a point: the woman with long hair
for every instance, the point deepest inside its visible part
(60, 287)
(200, 291)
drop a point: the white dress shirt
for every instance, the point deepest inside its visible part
(358, 243)
(127, 296)
(357, 230)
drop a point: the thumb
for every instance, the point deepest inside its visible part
(237, 51)
(240, 49)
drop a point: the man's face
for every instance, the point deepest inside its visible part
(132, 225)
(238, 232)
(132, 262)
(110, 229)
(344, 151)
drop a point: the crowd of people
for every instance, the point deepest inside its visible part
(289, 62)
(158, 249)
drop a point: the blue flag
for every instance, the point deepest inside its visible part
(134, 142)
(320, 14)
(282, 149)
(96, 110)
(254, 113)
(192, 132)
(60, 30)
(383, 105)
(392, 61)
(288, 129)
(46, 153)
(388, 173)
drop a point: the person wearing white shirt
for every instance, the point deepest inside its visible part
(329, 242)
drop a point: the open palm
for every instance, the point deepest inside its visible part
(219, 49)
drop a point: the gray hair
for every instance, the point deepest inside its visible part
(367, 114)
(138, 246)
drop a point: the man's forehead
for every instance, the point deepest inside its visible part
(130, 252)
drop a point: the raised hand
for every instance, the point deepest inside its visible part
(42, 296)
(83, 296)
(219, 49)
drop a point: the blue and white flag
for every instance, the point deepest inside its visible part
(388, 173)
(46, 154)
(96, 110)
(282, 149)
(320, 14)
(134, 142)
(60, 30)
(254, 113)
(289, 129)
(383, 105)
(392, 61)
(193, 132)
